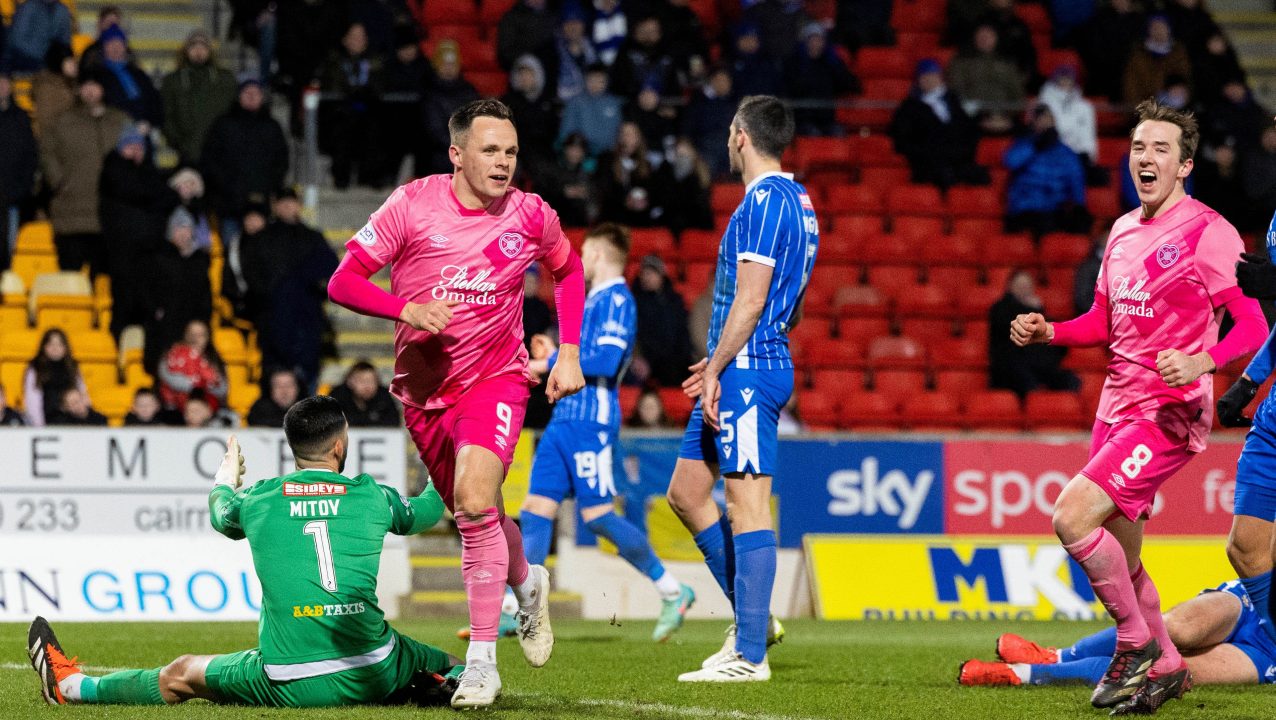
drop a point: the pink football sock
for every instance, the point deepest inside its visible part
(1150, 605)
(485, 566)
(1103, 559)
(518, 560)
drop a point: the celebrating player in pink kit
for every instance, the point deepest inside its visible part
(458, 246)
(1168, 273)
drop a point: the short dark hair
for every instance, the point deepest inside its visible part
(362, 366)
(615, 235)
(312, 424)
(769, 122)
(459, 124)
(1190, 133)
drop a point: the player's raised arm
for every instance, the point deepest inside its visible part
(413, 515)
(565, 377)
(224, 500)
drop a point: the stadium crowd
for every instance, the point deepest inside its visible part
(623, 107)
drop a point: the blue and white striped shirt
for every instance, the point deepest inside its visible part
(606, 344)
(774, 225)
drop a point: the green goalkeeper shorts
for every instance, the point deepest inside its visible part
(240, 678)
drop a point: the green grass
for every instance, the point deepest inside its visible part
(823, 670)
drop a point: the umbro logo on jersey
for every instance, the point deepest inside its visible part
(747, 394)
(760, 196)
(366, 236)
(1116, 251)
(511, 243)
(1167, 255)
(501, 441)
(439, 241)
(1118, 480)
(481, 576)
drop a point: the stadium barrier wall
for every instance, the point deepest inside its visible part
(112, 524)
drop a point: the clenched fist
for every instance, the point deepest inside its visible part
(566, 377)
(431, 317)
(1177, 368)
(1030, 329)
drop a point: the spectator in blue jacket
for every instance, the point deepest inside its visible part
(595, 113)
(753, 73)
(37, 24)
(1047, 181)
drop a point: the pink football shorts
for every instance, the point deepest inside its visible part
(1131, 459)
(489, 414)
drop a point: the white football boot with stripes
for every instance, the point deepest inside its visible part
(733, 669)
(774, 636)
(479, 686)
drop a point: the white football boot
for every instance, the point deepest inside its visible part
(479, 687)
(535, 634)
(774, 635)
(731, 670)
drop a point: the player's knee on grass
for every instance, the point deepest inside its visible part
(183, 679)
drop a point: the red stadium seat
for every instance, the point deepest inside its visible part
(857, 225)
(961, 383)
(993, 410)
(928, 330)
(628, 399)
(1112, 150)
(863, 330)
(859, 198)
(978, 228)
(1103, 203)
(1064, 249)
(1056, 300)
(916, 45)
(1035, 17)
(918, 16)
(894, 280)
(932, 411)
(1053, 58)
(969, 352)
(953, 279)
(886, 89)
(882, 249)
(479, 56)
(868, 411)
(974, 202)
(725, 197)
(1010, 250)
(973, 304)
(812, 153)
(861, 301)
(896, 353)
(1047, 410)
(839, 246)
(677, 405)
(926, 301)
(819, 411)
(917, 231)
(463, 34)
(1091, 358)
(996, 276)
(651, 241)
(493, 10)
(991, 149)
(915, 200)
(884, 62)
(954, 250)
(877, 151)
(837, 353)
(867, 114)
(897, 384)
(884, 176)
(488, 83)
(834, 381)
(701, 245)
(451, 12)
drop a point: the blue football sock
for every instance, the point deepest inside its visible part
(630, 541)
(755, 576)
(1099, 645)
(538, 531)
(1259, 589)
(728, 553)
(713, 545)
(1088, 670)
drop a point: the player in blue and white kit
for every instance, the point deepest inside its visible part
(1250, 546)
(764, 262)
(576, 454)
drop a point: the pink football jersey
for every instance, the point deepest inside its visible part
(1166, 281)
(440, 250)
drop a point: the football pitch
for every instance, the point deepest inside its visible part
(603, 670)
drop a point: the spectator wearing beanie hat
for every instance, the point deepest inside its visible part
(195, 94)
(126, 85)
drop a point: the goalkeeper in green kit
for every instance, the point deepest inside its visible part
(316, 540)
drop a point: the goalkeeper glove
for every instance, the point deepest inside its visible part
(1234, 400)
(1256, 276)
(231, 472)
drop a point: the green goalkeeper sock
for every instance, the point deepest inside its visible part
(127, 687)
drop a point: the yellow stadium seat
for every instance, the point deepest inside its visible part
(29, 265)
(68, 319)
(22, 94)
(230, 345)
(99, 375)
(35, 237)
(19, 345)
(132, 341)
(237, 375)
(11, 374)
(242, 397)
(111, 400)
(6, 9)
(95, 346)
(14, 316)
(80, 42)
(12, 286)
(215, 275)
(135, 376)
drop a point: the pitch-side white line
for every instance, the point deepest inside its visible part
(689, 711)
(26, 667)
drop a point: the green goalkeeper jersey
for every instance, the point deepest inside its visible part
(316, 540)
